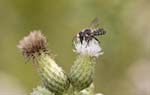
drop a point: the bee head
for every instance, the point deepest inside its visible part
(87, 31)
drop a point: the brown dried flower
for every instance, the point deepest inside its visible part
(33, 45)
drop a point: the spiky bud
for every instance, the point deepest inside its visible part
(82, 72)
(34, 46)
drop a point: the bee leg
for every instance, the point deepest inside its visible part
(81, 40)
(96, 39)
(88, 40)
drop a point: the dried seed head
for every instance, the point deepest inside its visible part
(33, 45)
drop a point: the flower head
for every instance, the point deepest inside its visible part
(91, 48)
(33, 44)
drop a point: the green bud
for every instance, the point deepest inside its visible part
(82, 72)
(53, 77)
(34, 46)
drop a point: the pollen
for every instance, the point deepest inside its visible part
(33, 45)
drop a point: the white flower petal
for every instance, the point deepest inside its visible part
(92, 48)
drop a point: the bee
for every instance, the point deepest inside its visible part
(89, 33)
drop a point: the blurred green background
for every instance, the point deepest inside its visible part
(122, 70)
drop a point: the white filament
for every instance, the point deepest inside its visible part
(91, 48)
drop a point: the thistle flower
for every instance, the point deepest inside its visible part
(90, 48)
(82, 71)
(34, 46)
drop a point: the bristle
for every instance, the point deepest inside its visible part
(33, 44)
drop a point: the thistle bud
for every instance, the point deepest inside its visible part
(34, 47)
(82, 71)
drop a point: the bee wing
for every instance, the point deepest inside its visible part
(95, 23)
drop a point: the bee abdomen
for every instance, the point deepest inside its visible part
(99, 31)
